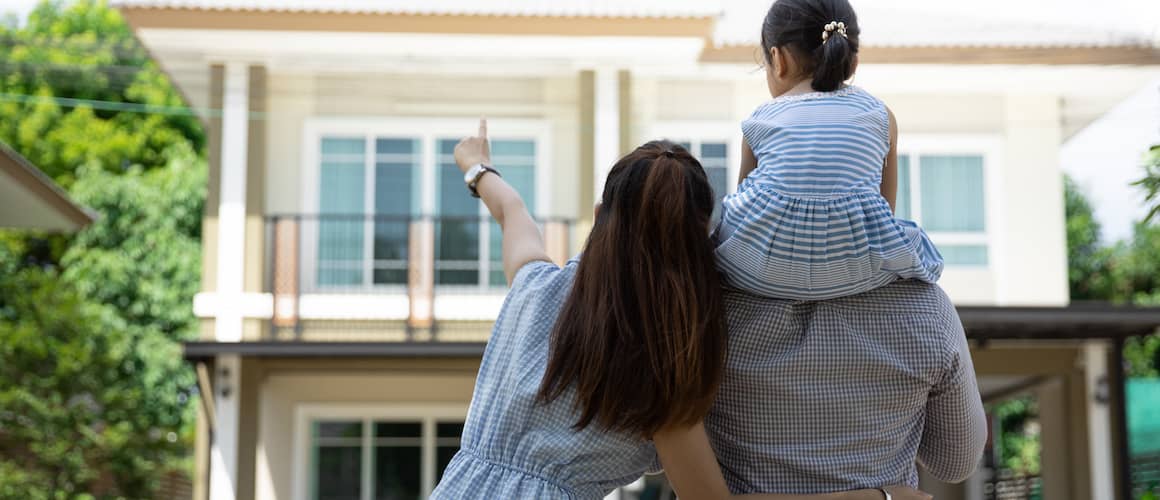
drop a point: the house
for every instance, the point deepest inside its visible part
(30, 200)
(349, 283)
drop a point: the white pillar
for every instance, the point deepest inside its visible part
(232, 203)
(1024, 203)
(1095, 360)
(230, 285)
(223, 466)
(606, 122)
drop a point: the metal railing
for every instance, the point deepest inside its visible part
(381, 277)
(1009, 485)
(1145, 473)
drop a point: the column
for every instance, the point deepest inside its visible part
(606, 125)
(223, 470)
(231, 258)
(1095, 362)
(1024, 200)
(1054, 454)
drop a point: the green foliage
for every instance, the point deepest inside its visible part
(85, 51)
(92, 385)
(1087, 259)
(1019, 443)
(94, 397)
(1127, 272)
(87, 398)
(1151, 181)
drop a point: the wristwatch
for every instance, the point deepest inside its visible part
(474, 174)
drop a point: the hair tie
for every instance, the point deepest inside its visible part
(831, 27)
(668, 153)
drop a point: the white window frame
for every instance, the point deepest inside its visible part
(696, 132)
(428, 131)
(428, 414)
(990, 148)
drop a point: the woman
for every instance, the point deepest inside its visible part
(589, 362)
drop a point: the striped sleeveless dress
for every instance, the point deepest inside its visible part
(809, 223)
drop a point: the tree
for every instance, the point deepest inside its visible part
(78, 81)
(1126, 272)
(1150, 183)
(1087, 259)
(93, 392)
(94, 397)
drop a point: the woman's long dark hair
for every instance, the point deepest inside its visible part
(641, 336)
(798, 24)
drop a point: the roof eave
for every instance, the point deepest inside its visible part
(41, 186)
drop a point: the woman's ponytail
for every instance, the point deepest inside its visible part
(641, 337)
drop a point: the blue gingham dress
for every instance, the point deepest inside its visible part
(513, 447)
(809, 222)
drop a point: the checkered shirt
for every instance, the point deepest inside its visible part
(846, 393)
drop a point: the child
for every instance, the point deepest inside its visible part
(813, 216)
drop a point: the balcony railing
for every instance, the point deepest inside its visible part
(378, 277)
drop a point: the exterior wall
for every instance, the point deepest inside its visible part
(289, 384)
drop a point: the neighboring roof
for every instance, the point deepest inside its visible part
(978, 23)
(982, 323)
(30, 200)
(542, 8)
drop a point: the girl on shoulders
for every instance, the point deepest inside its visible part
(813, 216)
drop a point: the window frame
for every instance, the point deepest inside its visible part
(428, 414)
(986, 146)
(428, 131)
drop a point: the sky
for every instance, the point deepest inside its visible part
(1115, 142)
(20, 7)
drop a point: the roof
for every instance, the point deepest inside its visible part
(30, 200)
(887, 23)
(542, 8)
(978, 23)
(1079, 321)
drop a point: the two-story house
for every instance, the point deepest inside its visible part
(349, 283)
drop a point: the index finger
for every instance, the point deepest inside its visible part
(483, 127)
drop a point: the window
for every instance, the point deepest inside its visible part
(946, 195)
(460, 258)
(369, 459)
(714, 158)
(366, 198)
(374, 181)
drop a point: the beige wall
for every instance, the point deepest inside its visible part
(289, 384)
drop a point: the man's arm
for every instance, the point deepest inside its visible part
(956, 425)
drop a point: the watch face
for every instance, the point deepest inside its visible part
(471, 173)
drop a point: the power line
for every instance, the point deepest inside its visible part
(129, 107)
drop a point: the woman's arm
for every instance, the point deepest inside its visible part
(748, 160)
(890, 168)
(522, 241)
(692, 468)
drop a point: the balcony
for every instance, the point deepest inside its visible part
(389, 278)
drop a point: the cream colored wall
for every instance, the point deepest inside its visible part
(412, 383)
(295, 98)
